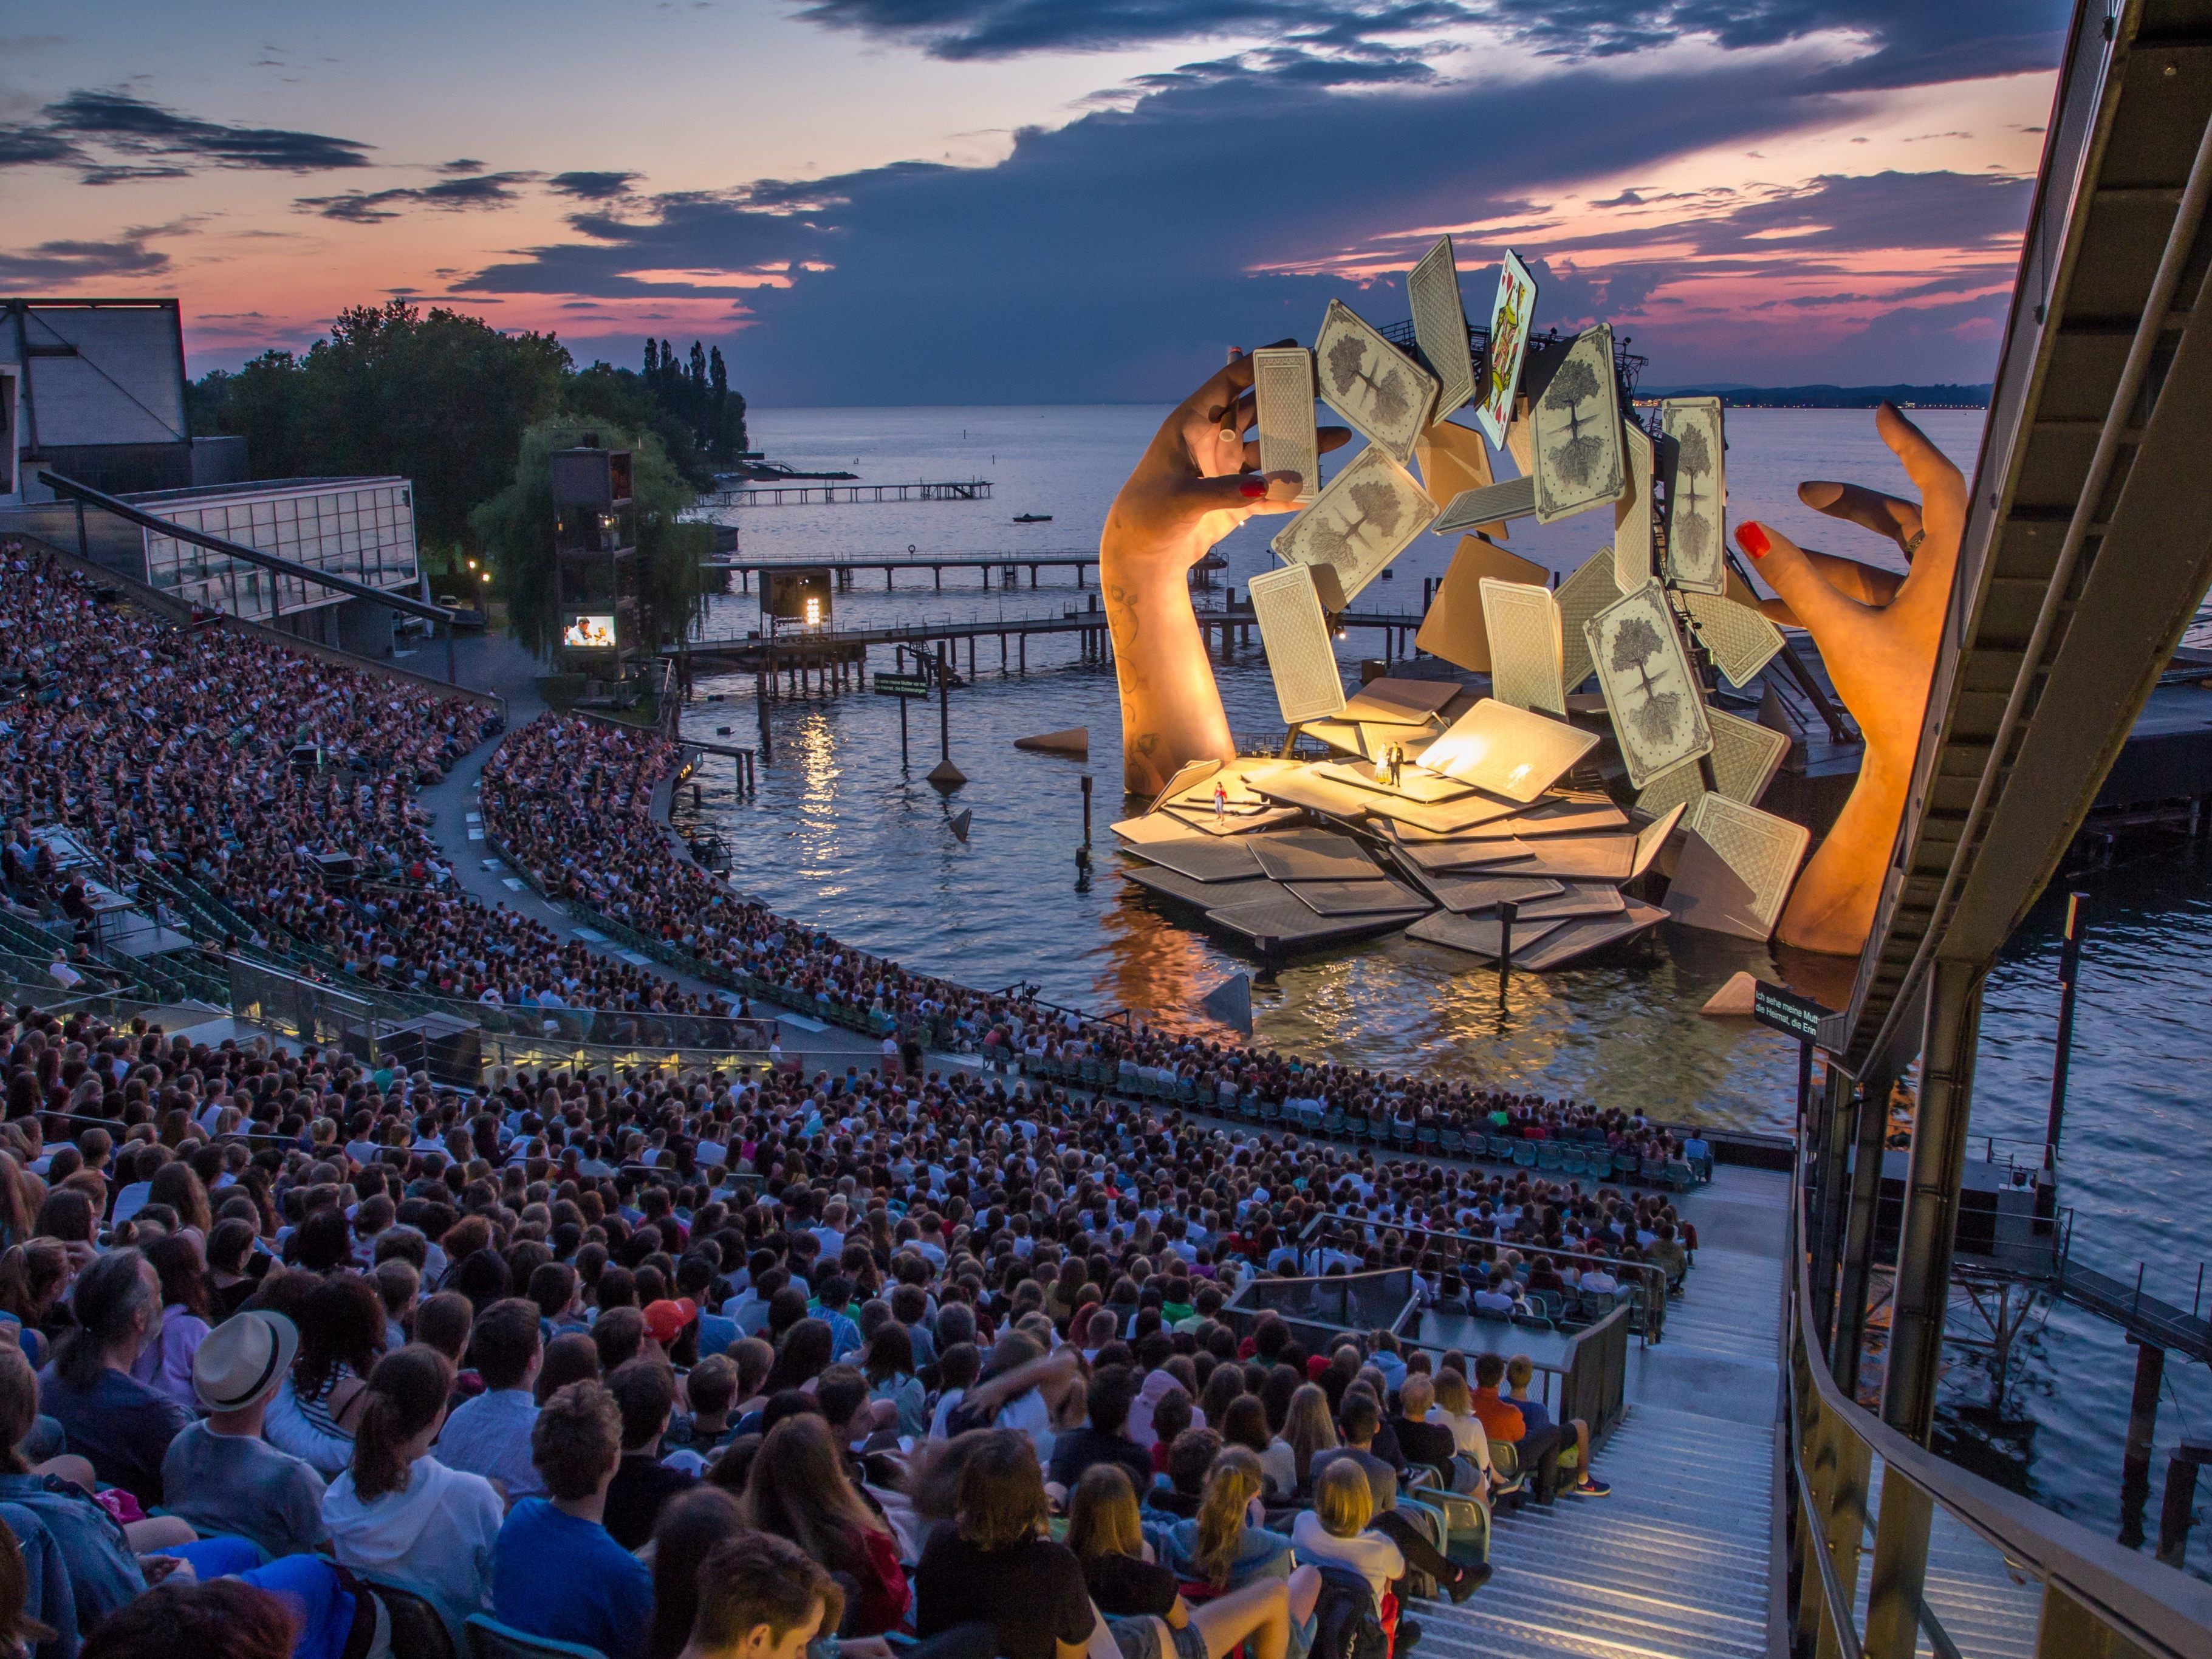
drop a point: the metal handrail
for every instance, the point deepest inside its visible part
(2090, 1584)
(1651, 1277)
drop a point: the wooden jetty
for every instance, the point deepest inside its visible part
(844, 571)
(820, 495)
(833, 659)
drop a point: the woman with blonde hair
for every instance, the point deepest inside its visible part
(1454, 1410)
(1141, 1599)
(1333, 1532)
(1225, 1546)
(1308, 1430)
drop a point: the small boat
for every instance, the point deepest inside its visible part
(1032, 518)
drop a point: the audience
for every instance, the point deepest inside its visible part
(811, 1339)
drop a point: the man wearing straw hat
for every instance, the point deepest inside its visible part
(220, 1474)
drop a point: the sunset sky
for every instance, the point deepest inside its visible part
(1039, 201)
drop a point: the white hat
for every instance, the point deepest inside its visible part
(243, 1359)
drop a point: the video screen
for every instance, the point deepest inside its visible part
(590, 632)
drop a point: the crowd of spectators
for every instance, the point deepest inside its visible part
(285, 1338)
(306, 1352)
(221, 758)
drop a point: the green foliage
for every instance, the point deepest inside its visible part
(444, 399)
(433, 396)
(515, 528)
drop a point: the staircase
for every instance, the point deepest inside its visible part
(1673, 1565)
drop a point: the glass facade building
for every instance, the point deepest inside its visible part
(363, 528)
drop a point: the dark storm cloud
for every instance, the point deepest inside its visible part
(1209, 189)
(1013, 281)
(958, 29)
(455, 195)
(119, 121)
(1912, 40)
(593, 186)
(52, 263)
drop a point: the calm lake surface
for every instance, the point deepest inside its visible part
(842, 836)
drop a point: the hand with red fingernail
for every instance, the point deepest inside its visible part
(1197, 480)
(1878, 631)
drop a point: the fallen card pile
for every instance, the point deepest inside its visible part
(1443, 807)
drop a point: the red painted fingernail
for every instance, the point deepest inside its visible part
(1753, 540)
(1254, 488)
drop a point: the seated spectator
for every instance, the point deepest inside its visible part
(798, 1488)
(1454, 1410)
(1536, 1417)
(1359, 1423)
(1223, 1548)
(1141, 1599)
(119, 1426)
(1103, 1438)
(220, 1474)
(712, 1387)
(689, 1529)
(1334, 1533)
(1501, 1294)
(760, 1597)
(165, 1365)
(342, 1333)
(645, 1391)
(1537, 1448)
(398, 1513)
(491, 1434)
(555, 1572)
(1428, 1444)
(97, 1554)
(227, 1619)
(1307, 1429)
(1187, 1460)
(888, 1364)
(995, 1565)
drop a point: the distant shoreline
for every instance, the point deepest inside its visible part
(1733, 397)
(1939, 396)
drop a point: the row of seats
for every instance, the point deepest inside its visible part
(1570, 1160)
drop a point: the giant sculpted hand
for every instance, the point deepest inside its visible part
(1878, 633)
(1195, 483)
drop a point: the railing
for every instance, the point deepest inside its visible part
(1650, 1317)
(1595, 1383)
(2097, 1599)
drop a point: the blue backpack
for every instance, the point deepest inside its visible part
(1347, 1625)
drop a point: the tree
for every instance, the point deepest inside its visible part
(1575, 384)
(1634, 647)
(436, 396)
(515, 527)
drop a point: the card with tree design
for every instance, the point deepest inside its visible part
(1658, 712)
(1359, 524)
(1382, 392)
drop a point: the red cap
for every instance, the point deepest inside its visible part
(664, 1321)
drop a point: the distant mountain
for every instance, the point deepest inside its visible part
(1832, 397)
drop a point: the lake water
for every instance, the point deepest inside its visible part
(842, 836)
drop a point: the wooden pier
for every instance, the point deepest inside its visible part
(828, 660)
(821, 494)
(844, 571)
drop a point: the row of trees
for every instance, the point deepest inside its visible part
(469, 414)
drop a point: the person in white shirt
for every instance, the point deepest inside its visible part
(1333, 1532)
(398, 1514)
